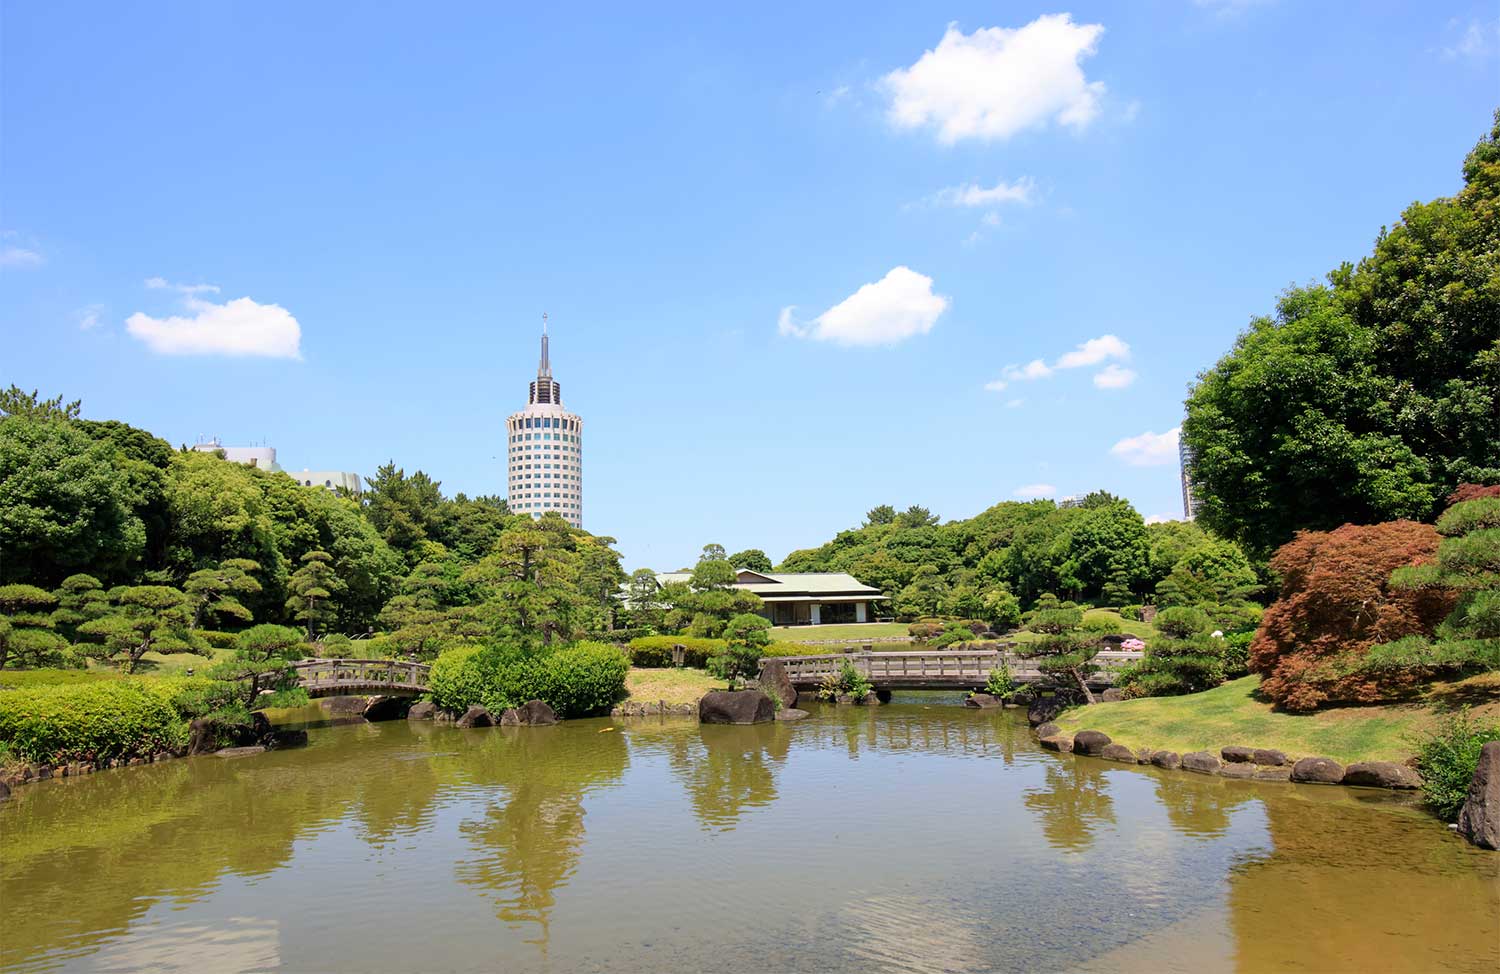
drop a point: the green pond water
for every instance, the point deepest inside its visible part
(914, 837)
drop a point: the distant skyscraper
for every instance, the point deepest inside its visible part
(1185, 458)
(545, 457)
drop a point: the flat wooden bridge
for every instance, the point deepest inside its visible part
(337, 677)
(967, 669)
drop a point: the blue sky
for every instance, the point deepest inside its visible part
(790, 255)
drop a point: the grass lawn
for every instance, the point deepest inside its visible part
(672, 685)
(853, 631)
(1233, 714)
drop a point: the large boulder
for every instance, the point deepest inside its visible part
(1112, 695)
(1044, 710)
(1118, 752)
(982, 701)
(288, 738)
(1318, 771)
(1479, 818)
(1057, 742)
(535, 713)
(735, 707)
(1382, 774)
(1170, 760)
(422, 710)
(1090, 742)
(477, 716)
(790, 713)
(1237, 754)
(774, 682)
(1047, 730)
(1238, 769)
(1201, 762)
(1269, 757)
(1279, 773)
(206, 734)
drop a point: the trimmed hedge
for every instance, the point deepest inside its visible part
(219, 640)
(656, 651)
(26, 679)
(576, 681)
(90, 721)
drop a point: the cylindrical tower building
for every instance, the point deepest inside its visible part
(545, 444)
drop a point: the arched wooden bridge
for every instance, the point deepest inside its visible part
(337, 677)
(965, 669)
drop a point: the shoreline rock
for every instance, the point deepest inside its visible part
(1382, 774)
(1318, 771)
(1479, 818)
(1090, 742)
(735, 707)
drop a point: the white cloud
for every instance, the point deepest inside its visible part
(237, 327)
(1035, 369)
(1094, 351)
(88, 316)
(1022, 190)
(998, 81)
(899, 306)
(1478, 41)
(20, 258)
(1114, 376)
(1161, 518)
(996, 385)
(1149, 449)
(1014, 403)
(1035, 490)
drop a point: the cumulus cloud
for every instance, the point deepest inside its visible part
(1149, 449)
(20, 258)
(899, 306)
(1089, 353)
(1161, 518)
(1114, 376)
(973, 195)
(998, 81)
(1035, 490)
(238, 327)
(1094, 351)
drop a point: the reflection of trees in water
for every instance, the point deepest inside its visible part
(942, 729)
(174, 829)
(1073, 803)
(529, 846)
(727, 769)
(1199, 804)
(1348, 887)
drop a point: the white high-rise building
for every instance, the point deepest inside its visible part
(545, 457)
(1185, 458)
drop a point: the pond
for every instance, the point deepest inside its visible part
(918, 836)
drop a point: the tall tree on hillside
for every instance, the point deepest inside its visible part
(311, 592)
(1368, 399)
(15, 401)
(751, 558)
(880, 514)
(65, 505)
(403, 509)
(711, 552)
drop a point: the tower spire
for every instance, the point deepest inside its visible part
(544, 370)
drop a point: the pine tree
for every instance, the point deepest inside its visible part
(313, 588)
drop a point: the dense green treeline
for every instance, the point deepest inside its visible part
(988, 566)
(116, 544)
(1369, 398)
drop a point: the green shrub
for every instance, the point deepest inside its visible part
(847, 680)
(656, 651)
(1000, 684)
(923, 631)
(583, 679)
(575, 681)
(793, 649)
(338, 646)
(25, 679)
(92, 721)
(1237, 654)
(218, 640)
(745, 639)
(1447, 760)
(952, 637)
(1131, 612)
(1179, 622)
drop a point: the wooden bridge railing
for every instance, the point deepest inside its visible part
(337, 674)
(934, 669)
